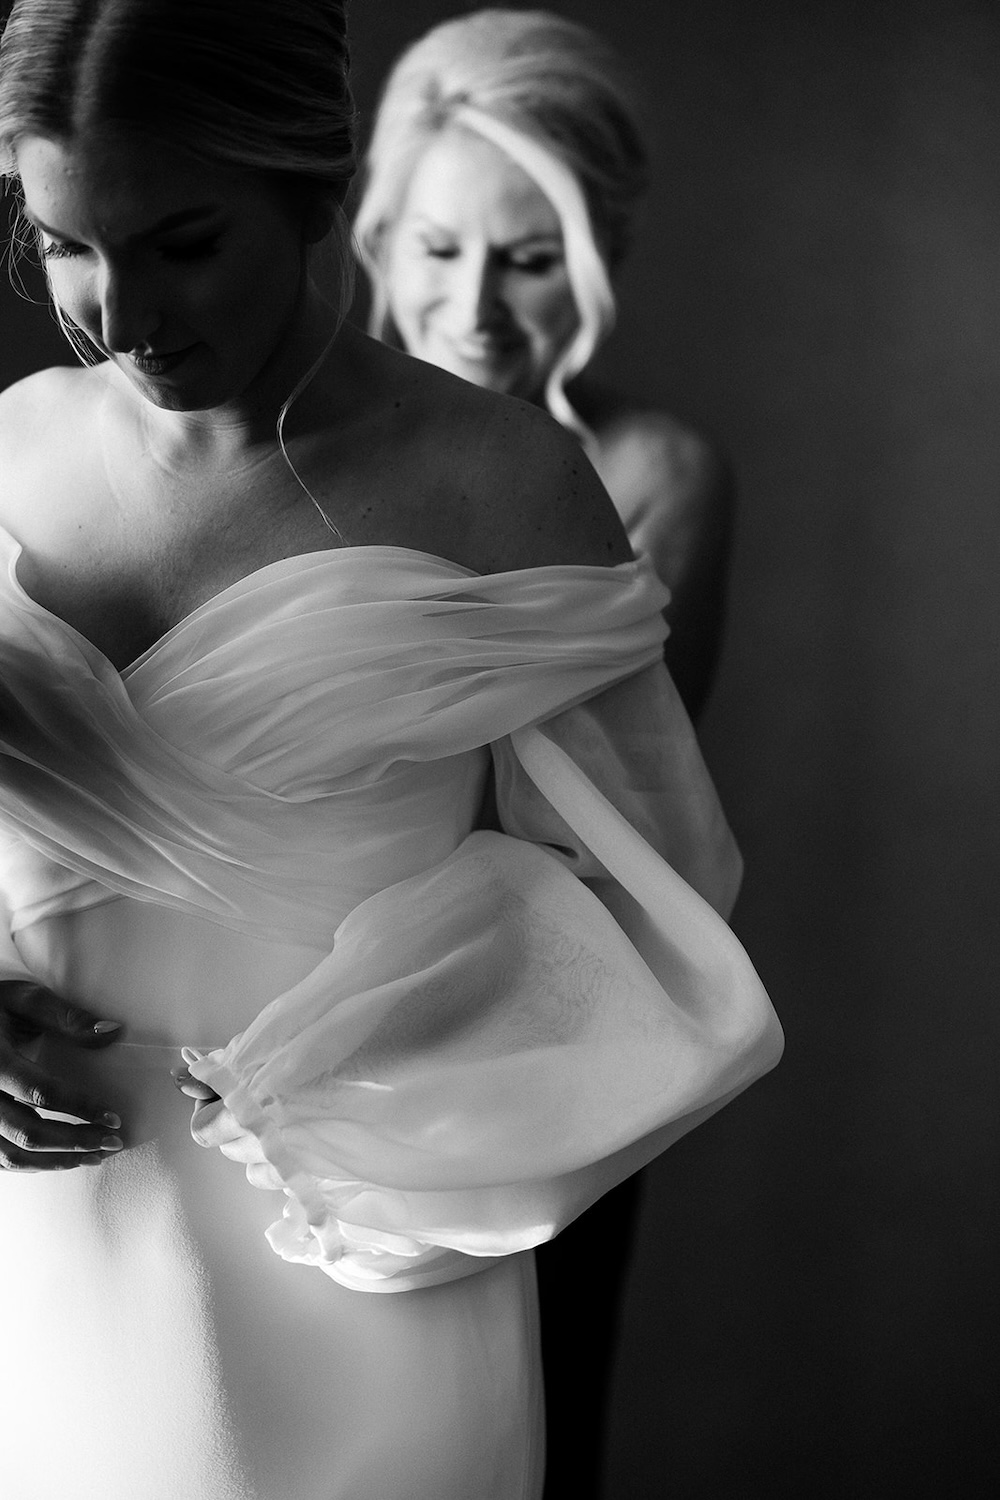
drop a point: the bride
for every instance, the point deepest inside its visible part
(282, 611)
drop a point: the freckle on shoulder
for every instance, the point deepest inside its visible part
(546, 502)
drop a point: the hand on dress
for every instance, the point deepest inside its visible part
(29, 1142)
(212, 1124)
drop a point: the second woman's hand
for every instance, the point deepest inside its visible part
(28, 1141)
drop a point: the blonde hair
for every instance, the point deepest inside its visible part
(550, 94)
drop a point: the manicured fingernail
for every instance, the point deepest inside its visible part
(104, 1028)
(112, 1143)
(110, 1118)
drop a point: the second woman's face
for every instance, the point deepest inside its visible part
(189, 276)
(476, 270)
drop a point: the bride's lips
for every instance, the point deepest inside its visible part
(160, 364)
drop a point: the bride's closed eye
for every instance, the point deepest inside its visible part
(202, 249)
(59, 249)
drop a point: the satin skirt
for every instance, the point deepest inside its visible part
(158, 1348)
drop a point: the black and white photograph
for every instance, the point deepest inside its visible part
(499, 750)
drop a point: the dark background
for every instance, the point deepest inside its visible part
(813, 1308)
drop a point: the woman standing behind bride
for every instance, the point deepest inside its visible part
(501, 180)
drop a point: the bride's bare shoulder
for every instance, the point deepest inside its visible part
(47, 427)
(43, 409)
(505, 485)
(35, 394)
(541, 499)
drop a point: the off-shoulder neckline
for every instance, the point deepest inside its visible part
(325, 555)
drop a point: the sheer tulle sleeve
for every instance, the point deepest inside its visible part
(495, 1043)
(634, 741)
(12, 965)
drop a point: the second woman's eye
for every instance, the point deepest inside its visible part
(538, 264)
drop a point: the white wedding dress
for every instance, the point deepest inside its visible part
(257, 843)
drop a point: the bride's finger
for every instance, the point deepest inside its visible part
(263, 1175)
(192, 1087)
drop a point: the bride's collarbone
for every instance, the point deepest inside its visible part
(124, 576)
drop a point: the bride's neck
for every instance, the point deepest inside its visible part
(240, 429)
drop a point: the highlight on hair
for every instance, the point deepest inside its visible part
(257, 85)
(552, 95)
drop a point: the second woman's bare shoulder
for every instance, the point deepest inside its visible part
(671, 483)
(647, 456)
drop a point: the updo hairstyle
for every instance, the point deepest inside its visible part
(551, 94)
(260, 85)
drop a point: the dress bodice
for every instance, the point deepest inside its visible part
(312, 733)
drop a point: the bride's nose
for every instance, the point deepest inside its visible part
(128, 314)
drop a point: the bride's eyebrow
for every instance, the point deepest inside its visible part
(179, 220)
(183, 218)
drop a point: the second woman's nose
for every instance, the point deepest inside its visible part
(477, 299)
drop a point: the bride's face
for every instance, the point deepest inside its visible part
(476, 270)
(188, 275)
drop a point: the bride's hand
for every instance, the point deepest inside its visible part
(28, 1142)
(212, 1124)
